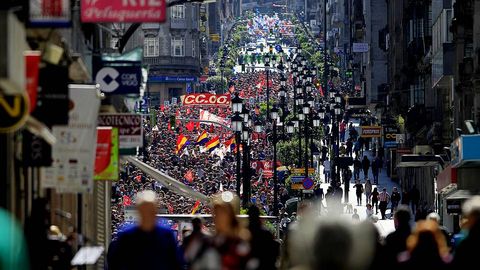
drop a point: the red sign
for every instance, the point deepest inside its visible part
(104, 148)
(207, 99)
(203, 78)
(32, 62)
(123, 11)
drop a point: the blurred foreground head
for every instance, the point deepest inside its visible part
(226, 206)
(331, 242)
(146, 202)
(471, 212)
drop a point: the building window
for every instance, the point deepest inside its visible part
(178, 12)
(150, 47)
(178, 46)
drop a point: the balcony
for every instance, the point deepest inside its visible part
(178, 23)
(169, 62)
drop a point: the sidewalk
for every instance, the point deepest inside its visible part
(384, 226)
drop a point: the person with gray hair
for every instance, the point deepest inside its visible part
(466, 254)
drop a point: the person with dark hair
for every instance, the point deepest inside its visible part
(147, 245)
(195, 243)
(468, 244)
(395, 242)
(264, 249)
(365, 166)
(414, 196)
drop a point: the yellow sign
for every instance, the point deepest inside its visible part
(301, 171)
(371, 131)
(296, 186)
(13, 112)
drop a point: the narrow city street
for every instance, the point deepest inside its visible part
(239, 135)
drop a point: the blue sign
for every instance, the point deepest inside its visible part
(172, 79)
(278, 48)
(297, 179)
(307, 183)
(119, 77)
(390, 144)
(465, 151)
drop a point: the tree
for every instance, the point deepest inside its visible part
(215, 83)
(287, 151)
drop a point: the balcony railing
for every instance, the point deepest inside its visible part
(172, 61)
(178, 23)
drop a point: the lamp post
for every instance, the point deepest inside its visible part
(306, 112)
(237, 106)
(246, 166)
(222, 67)
(274, 117)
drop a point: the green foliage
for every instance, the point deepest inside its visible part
(216, 82)
(287, 151)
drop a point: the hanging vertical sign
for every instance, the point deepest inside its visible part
(32, 63)
(73, 154)
(106, 160)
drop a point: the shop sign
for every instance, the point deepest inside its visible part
(371, 131)
(13, 112)
(36, 151)
(465, 151)
(404, 151)
(49, 13)
(130, 132)
(119, 77)
(173, 79)
(360, 47)
(73, 154)
(95, 11)
(106, 159)
(389, 136)
(207, 99)
(400, 138)
(32, 64)
(52, 107)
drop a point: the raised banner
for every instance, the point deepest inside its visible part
(123, 11)
(208, 116)
(50, 13)
(207, 99)
(73, 154)
(106, 160)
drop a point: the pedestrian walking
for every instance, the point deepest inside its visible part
(396, 242)
(326, 170)
(343, 128)
(384, 198)
(414, 195)
(368, 190)
(365, 166)
(194, 244)
(264, 248)
(349, 147)
(374, 200)
(357, 167)
(395, 198)
(358, 191)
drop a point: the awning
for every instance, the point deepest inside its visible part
(417, 164)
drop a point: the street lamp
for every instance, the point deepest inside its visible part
(258, 126)
(301, 116)
(246, 166)
(283, 81)
(299, 89)
(237, 104)
(306, 109)
(245, 114)
(316, 121)
(321, 113)
(237, 122)
(281, 92)
(274, 114)
(290, 127)
(338, 98)
(295, 122)
(338, 109)
(332, 94)
(267, 60)
(311, 101)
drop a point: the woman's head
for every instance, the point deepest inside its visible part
(427, 240)
(225, 207)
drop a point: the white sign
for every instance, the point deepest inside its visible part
(400, 138)
(207, 116)
(130, 132)
(74, 152)
(360, 47)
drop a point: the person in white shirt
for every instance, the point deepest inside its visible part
(384, 198)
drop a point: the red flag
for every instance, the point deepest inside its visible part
(198, 125)
(170, 208)
(211, 128)
(138, 178)
(189, 176)
(190, 126)
(162, 108)
(126, 200)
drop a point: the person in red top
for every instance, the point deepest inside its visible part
(343, 128)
